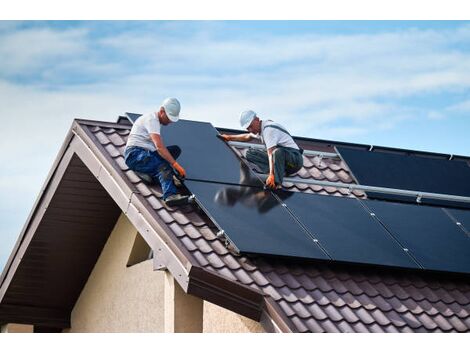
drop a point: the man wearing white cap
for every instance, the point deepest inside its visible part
(146, 153)
(282, 156)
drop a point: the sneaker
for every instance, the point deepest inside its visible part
(176, 199)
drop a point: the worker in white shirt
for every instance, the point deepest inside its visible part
(146, 153)
(282, 155)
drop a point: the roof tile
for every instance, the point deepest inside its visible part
(329, 326)
(458, 324)
(243, 277)
(443, 323)
(312, 326)
(364, 316)
(348, 314)
(300, 324)
(426, 321)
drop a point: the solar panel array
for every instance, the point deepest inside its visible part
(310, 226)
(409, 172)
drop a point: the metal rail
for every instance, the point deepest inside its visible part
(401, 192)
(306, 152)
(418, 194)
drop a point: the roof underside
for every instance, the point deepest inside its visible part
(91, 192)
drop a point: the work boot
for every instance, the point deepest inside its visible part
(176, 199)
(177, 182)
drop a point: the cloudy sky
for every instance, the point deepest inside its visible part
(400, 84)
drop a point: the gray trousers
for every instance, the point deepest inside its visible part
(287, 161)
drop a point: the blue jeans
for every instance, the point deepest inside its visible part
(148, 162)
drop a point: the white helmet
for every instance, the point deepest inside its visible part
(246, 117)
(172, 108)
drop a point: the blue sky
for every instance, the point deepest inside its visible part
(401, 84)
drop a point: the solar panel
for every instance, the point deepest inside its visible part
(346, 231)
(462, 217)
(254, 220)
(428, 233)
(203, 155)
(132, 117)
(407, 172)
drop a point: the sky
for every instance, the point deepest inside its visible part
(390, 83)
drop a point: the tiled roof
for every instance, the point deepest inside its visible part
(314, 297)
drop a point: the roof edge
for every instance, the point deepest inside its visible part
(45, 186)
(231, 295)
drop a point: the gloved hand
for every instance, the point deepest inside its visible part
(181, 172)
(270, 181)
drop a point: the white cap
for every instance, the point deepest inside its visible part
(172, 108)
(246, 117)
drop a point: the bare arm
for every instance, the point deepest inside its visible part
(244, 137)
(270, 181)
(161, 149)
(271, 161)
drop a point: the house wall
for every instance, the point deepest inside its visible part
(218, 319)
(16, 328)
(117, 298)
(120, 299)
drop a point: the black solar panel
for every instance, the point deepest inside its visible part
(462, 218)
(204, 156)
(407, 172)
(346, 231)
(132, 117)
(428, 233)
(254, 220)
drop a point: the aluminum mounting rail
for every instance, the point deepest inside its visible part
(418, 194)
(306, 152)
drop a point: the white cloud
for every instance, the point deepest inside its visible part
(27, 50)
(463, 106)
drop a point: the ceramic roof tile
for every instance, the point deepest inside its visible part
(302, 327)
(344, 326)
(360, 327)
(442, 323)
(329, 326)
(218, 247)
(426, 321)
(177, 230)
(316, 297)
(457, 323)
(348, 314)
(202, 260)
(133, 177)
(312, 326)
(364, 316)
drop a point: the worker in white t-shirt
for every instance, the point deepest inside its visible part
(146, 153)
(282, 156)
